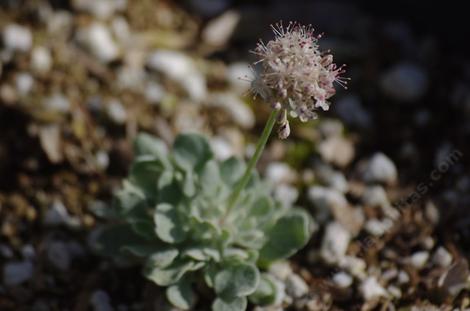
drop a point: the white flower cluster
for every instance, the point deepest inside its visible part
(295, 76)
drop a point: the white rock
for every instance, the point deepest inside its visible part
(98, 40)
(342, 279)
(41, 60)
(403, 277)
(296, 286)
(286, 194)
(17, 38)
(394, 291)
(279, 172)
(326, 198)
(375, 196)
(371, 289)
(154, 93)
(405, 82)
(222, 148)
(337, 150)
(57, 215)
(6, 251)
(219, 30)
(335, 243)
(57, 102)
(15, 273)
(58, 255)
(239, 75)
(380, 169)
(331, 128)
(24, 83)
(102, 160)
(131, 77)
(419, 259)
(100, 301)
(280, 270)
(121, 29)
(378, 227)
(327, 202)
(442, 257)
(180, 68)
(51, 142)
(331, 178)
(102, 9)
(354, 265)
(28, 252)
(116, 111)
(235, 107)
(350, 109)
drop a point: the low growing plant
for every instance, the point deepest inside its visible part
(190, 219)
(173, 215)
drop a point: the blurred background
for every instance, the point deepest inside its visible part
(389, 162)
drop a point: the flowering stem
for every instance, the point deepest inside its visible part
(251, 165)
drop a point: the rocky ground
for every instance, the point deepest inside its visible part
(385, 174)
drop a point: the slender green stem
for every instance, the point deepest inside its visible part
(251, 165)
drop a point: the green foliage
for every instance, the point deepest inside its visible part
(171, 215)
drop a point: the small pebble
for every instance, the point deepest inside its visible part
(296, 286)
(15, 273)
(380, 169)
(100, 301)
(405, 82)
(335, 243)
(41, 60)
(442, 257)
(419, 259)
(59, 255)
(371, 289)
(116, 111)
(17, 38)
(342, 279)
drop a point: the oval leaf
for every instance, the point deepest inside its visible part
(237, 280)
(234, 304)
(191, 151)
(167, 224)
(181, 295)
(290, 233)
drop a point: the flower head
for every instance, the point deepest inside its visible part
(295, 75)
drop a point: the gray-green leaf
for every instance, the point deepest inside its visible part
(231, 170)
(172, 274)
(237, 280)
(181, 295)
(191, 151)
(268, 291)
(225, 304)
(148, 145)
(168, 224)
(287, 236)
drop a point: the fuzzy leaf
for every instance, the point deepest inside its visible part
(181, 295)
(144, 228)
(287, 236)
(191, 151)
(168, 225)
(172, 274)
(145, 173)
(128, 198)
(162, 257)
(268, 291)
(233, 304)
(237, 280)
(147, 145)
(210, 178)
(231, 170)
